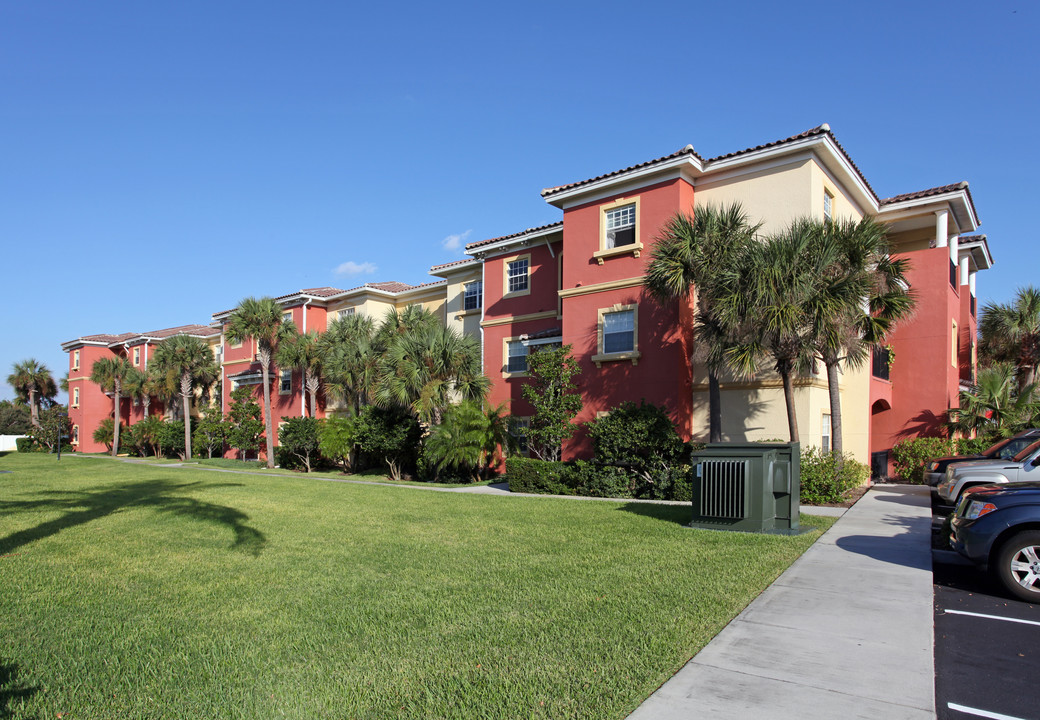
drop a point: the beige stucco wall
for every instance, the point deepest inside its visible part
(465, 322)
(774, 196)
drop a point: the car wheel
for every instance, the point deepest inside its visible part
(1018, 565)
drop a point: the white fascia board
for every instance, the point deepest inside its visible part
(460, 267)
(73, 344)
(541, 341)
(608, 185)
(631, 186)
(503, 246)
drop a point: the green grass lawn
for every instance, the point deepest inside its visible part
(131, 591)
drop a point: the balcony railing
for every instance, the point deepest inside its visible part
(879, 364)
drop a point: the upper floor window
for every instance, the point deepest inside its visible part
(828, 206)
(285, 382)
(619, 330)
(518, 271)
(516, 356)
(75, 397)
(287, 316)
(137, 356)
(472, 295)
(75, 359)
(621, 226)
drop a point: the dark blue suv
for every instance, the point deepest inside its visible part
(998, 527)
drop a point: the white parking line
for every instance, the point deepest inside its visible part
(981, 713)
(992, 617)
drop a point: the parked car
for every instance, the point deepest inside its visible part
(935, 469)
(998, 528)
(960, 476)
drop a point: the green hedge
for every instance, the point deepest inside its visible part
(823, 481)
(26, 444)
(909, 456)
(589, 479)
(529, 475)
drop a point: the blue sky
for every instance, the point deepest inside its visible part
(161, 161)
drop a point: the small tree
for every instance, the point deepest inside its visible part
(104, 433)
(471, 439)
(147, 435)
(298, 437)
(210, 433)
(109, 374)
(337, 441)
(54, 422)
(15, 419)
(246, 429)
(390, 434)
(552, 393)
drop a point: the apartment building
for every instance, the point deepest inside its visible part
(579, 281)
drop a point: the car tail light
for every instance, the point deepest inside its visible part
(977, 509)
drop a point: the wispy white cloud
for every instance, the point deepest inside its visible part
(454, 242)
(352, 268)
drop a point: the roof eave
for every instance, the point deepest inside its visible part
(967, 219)
(504, 245)
(690, 163)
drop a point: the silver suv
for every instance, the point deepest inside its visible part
(1024, 466)
(935, 469)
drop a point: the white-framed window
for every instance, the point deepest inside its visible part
(473, 295)
(619, 331)
(75, 397)
(825, 441)
(75, 435)
(346, 312)
(285, 382)
(287, 316)
(617, 334)
(516, 356)
(518, 275)
(137, 356)
(828, 206)
(621, 226)
(75, 359)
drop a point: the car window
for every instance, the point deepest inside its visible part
(1014, 447)
(1027, 451)
(995, 450)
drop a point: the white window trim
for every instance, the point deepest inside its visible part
(281, 377)
(137, 357)
(505, 276)
(632, 355)
(825, 432)
(505, 358)
(828, 195)
(480, 292)
(75, 435)
(524, 422)
(75, 397)
(75, 359)
(604, 251)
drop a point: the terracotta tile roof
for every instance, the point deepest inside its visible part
(528, 231)
(688, 150)
(109, 339)
(451, 264)
(927, 193)
(820, 130)
(202, 330)
(316, 292)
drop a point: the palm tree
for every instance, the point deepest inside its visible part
(702, 254)
(994, 404)
(427, 367)
(189, 358)
(787, 293)
(1011, 333)
(472, 437)
(350, 359)
(304, 352)
(870, 295)
(110, 374)
(32, 381)
(261, 319)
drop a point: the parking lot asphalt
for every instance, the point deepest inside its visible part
(987, 644)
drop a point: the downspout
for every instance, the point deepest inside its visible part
(549, 245)
(483, 292)
(147, 405)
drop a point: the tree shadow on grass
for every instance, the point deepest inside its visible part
(160, 495)
(12, 689)
(678, 514)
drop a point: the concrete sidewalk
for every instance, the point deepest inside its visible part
(846, 632)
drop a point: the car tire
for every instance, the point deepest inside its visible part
(1018, 565)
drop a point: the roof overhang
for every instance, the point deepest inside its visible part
(976, 248)
(463, 266)
(915, 213)
(524, 240)
(78, 343)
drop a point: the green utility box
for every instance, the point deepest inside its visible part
(751, 487)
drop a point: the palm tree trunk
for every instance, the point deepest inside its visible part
(312, 388)
(115, 431)
(34, 411)
(1026, 377)
(792, 418)
(837, 446)
(714, 408)
(265, 362)
(147, 402)
(186, 397)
